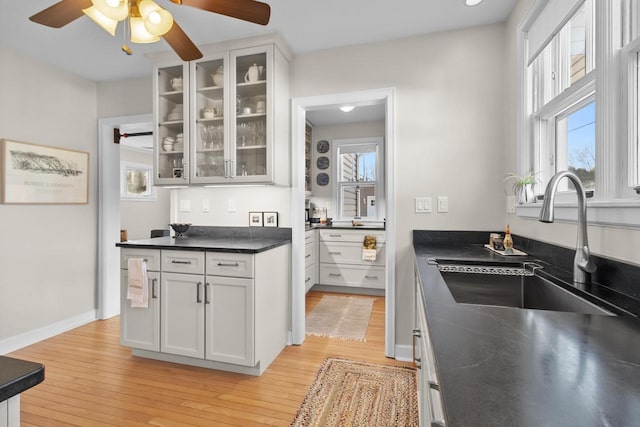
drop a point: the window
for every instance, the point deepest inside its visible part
(359, 181)
(561, 92)
(579, 104)
(136, 181)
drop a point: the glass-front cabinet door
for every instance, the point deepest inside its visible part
(171, 112)
(250, 133)
(209, 120)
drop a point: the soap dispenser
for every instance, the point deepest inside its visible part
(508, 241)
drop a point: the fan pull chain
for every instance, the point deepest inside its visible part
(126, 49)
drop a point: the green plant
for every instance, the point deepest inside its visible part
(520, 183)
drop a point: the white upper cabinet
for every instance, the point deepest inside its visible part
(229, 123)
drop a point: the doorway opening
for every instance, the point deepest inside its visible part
(300, 109)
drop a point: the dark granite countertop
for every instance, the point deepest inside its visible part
(347, 227)
(212, 244)
(502, 366)
(17, 376)
(218, 239)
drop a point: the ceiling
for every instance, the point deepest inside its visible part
(83, 48)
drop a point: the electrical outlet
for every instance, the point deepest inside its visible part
(443, 204)
(511, 204)
(423, 204)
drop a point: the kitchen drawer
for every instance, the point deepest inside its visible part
(355, 236)
(308, 255)
(151, 255)
(309, 236)
(349, 253)
(308, 278)
(352, 275)
(190, 262)
(229, 264)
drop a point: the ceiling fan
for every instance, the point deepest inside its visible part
(148, 21)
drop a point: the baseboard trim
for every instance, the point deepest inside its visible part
(31, 337)
(404, 353)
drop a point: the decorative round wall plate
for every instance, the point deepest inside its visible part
(322, 162)
(323, 146)
(322, 179)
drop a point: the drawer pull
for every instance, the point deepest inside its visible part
(308, 278)
(228, 264)
(335, 235)
(198, 299)
(175, 261)
(335, 253)
(335, 274)
(307, 256)
(371, 277)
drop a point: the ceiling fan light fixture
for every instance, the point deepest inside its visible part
(347, 108)
(157, 20)
(117, 10)
(472, 2)
(107, 24)
(139, 33)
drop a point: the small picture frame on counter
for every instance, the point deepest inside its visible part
(255, 219)
(270, 219)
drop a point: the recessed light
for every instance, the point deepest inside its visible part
(472, 2)
(347, 108)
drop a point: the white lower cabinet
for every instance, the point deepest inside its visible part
(229, 317)
(429, 401)
(341, 263)
(182, 326)
(10, 412)
(233, 319)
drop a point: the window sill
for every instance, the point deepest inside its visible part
(617, 213)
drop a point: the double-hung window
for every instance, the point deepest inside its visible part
(561, 91)
(359, 188)
(579, 103)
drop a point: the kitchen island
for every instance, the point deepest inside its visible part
(499, 366)
(218, 299)
(16, 376)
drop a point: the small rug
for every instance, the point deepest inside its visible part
(340, 317)
(351, 393)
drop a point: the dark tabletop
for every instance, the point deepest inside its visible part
(214, 244)
(501, 366)
(17, 376)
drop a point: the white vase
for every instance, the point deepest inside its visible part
(525, 194)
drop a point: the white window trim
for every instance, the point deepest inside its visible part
(380, 193)
(150, 197)
(615, 204)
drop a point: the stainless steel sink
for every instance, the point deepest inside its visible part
(517, 287)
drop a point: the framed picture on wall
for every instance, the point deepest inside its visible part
(271, 219)
(255, 219)
(39, 174)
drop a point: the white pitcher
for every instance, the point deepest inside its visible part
(253, 74)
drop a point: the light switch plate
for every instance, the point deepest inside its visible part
(185, 205)
(423, 204)
(231, 205)
(205, 205)
(511, 204)
(443, 204)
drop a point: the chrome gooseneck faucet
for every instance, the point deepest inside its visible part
(583, 265)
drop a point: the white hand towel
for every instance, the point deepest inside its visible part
(138, 283)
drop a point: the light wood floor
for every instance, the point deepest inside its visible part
(91, 380)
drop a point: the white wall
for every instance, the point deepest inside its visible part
(125, 97)
(139, 217)
(323, 195)
(449, 129)
(47, 252)
(611, 242)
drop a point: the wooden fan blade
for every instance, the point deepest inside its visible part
(247, 10)
(182, 44)
(61, 13)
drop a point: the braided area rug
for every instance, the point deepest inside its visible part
(353, 393)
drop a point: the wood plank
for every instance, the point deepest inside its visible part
(91, 380)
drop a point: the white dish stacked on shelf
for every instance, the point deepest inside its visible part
(176, 113)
